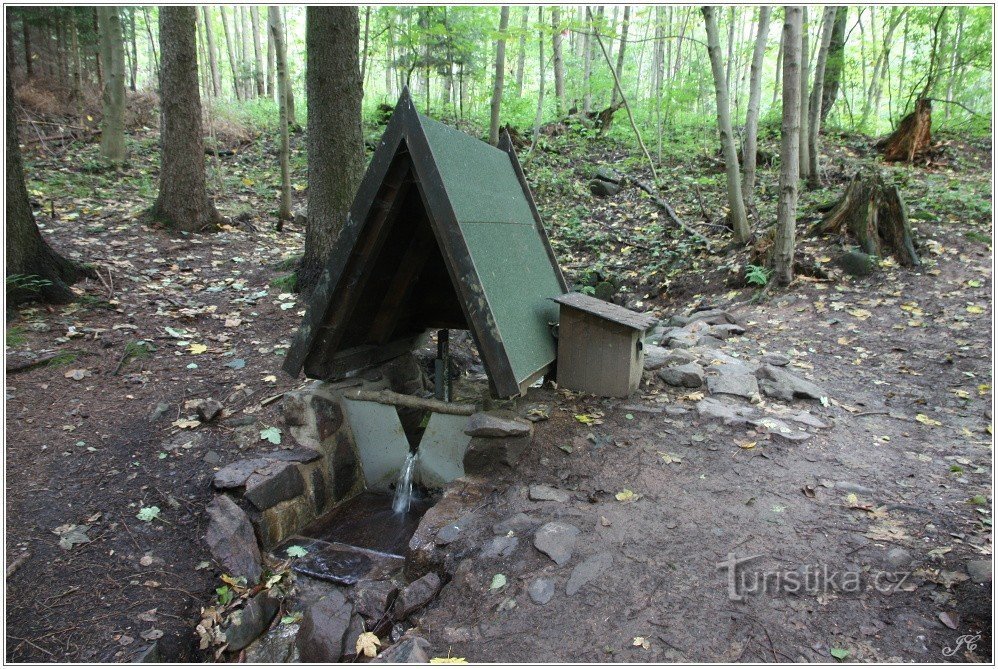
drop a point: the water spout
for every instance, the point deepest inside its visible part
(403, 487)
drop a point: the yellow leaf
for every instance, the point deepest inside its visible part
(197, 349)
(448, 660)
(367, 644)
(186, 423)
(861, 314)
(974, 309)
(583, 418)
(925, 420)
(248, 182)
(642, 642)
(270, 379)
(747, 445)
(626, 495)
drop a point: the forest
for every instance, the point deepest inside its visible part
(799, 198)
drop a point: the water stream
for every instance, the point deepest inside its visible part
(403, 488)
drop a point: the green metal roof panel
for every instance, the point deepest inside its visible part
(518, 281)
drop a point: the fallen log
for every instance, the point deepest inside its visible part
(669, 211)
(873, 212)
(410, 402)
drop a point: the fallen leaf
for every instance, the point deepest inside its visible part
(77, 374)
(367, 644)
(925, 420)
(951, 620)
(448, 660)
(186, 423)
(498, 581)
(641, 641)
(271, 434)
(839, 653)
(151, 634)
(197, 349)
(626, 495)
(296, 551)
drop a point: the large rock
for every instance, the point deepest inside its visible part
(312, 413)
(541, 590)
(726, 330)
(277, 646)
(556, 540)
(250, 622)
(371, 598)
(689, 375)
(981, 571)
(416, 595)
(708, 316)
(235, 475)
(484, 424)
(324, 627)
(601, 188)
(274, 483)
(543, 493)
(231, 539)
(407, 650)
(733, 379)
(655, 356)
(711, 408)
(588, 570)
(679, 357)
(781, 384)
(209, 410)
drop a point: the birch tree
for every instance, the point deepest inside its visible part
(750, 147)
(274, 23)
(559, 63)
(786, 210)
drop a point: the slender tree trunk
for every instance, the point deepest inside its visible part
(335, 137)
(752, 115)
(76, 92)
(29, 66)
(559, 63)
(587, 68)
(231, 53)
(276, 29)
(954, 59)
(152, 44)
(805, 158)
(257, 55)
(497, 82)
(521, 57)
(209, 34)
(135, 49)
(183, 202)
(34, 270)
(786, 210)
(777, 75)
(539, 114)
(367, 46)
(292, 120)
(814, 104)
(620, 51)
(62, 51)
(660, 68)
(834, 62)
(112, 50)
(737, 216)
(679, 43)
(731, 47)
(271, 66)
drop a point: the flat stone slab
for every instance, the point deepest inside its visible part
(588, 570)
(728, 413)
(733, 379)
(781, 384)
(543, 493)
(556, 540)
(234, 475)
(274, 483)
(484, 424)
(780, 429)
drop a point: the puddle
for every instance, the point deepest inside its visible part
(363, 538)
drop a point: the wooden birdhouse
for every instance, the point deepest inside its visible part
(600, 346)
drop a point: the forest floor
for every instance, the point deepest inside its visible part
(104, 431)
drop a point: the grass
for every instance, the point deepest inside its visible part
(63, 359)
(14, 337)
(286, 283)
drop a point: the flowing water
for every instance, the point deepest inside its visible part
(403, 488)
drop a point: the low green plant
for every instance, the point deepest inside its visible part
(63, 359)
(287, 282)
(14, 337)
(758, 275)
(31, 283)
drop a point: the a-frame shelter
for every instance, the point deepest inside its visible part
(443, 233)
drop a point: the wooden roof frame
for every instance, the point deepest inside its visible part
(324, 321)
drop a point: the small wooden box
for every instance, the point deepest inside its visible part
(600, 349)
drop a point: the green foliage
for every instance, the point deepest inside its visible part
(287, 283)
(31, 283)
(758, 275)
(14, 337)
(63, 359)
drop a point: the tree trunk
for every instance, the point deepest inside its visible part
(152, 44)
(620, 51)
(750, 147)
(133, 82)
(872, 102)
(786, 211)
(34, 270)
(776, 76)
(183, 202)
(559, 63)
(521, 58)
(76, 92)
(112, 45)
(209, 34)
(872, 211)
(254, 13)
(271, 66)
(231, 53)
(245, 36)
(805, 157)
(500, 72)
(335, 136)
(731, 48)
(367, 46)
(834, 62)
(660, 67)
(587, 68)
(277, 31)
(539, 114)
(29, 66)
(737, 217)
(292, 120)
(814, 104)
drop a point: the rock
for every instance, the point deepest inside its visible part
(518, 522)
(556, 540)
(604, 290)
(809, 419)
(416, 595)
(898, 557)
(781, 384)
(689, 375)
(212, 457)
(775, 359)
(250, 622)
(543, 493)
(601, 188)
(680, 357)
(231, 539)
(324, 625)
(541, 590)
(847, 486)
(707, 341)
(448, 534)
(606, 174)
(234, 475)
(729, 414)
(149, 654)
(778, 428)
(726, 330)
(587, 570)
(679, 339)
(855, 263)
(675, 412)
(484, 424)
(209, 410)
(709, 316)
(981, 571)
(312, 413)
(277, 646)
(487, 456)
(655, 356)
(274, 483)
(733, 379)
(371, 598)
(158, 411)
(354, 630)
(500, 547)
(407, 650)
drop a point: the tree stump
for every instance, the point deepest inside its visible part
(912, 136)
(872, 211)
